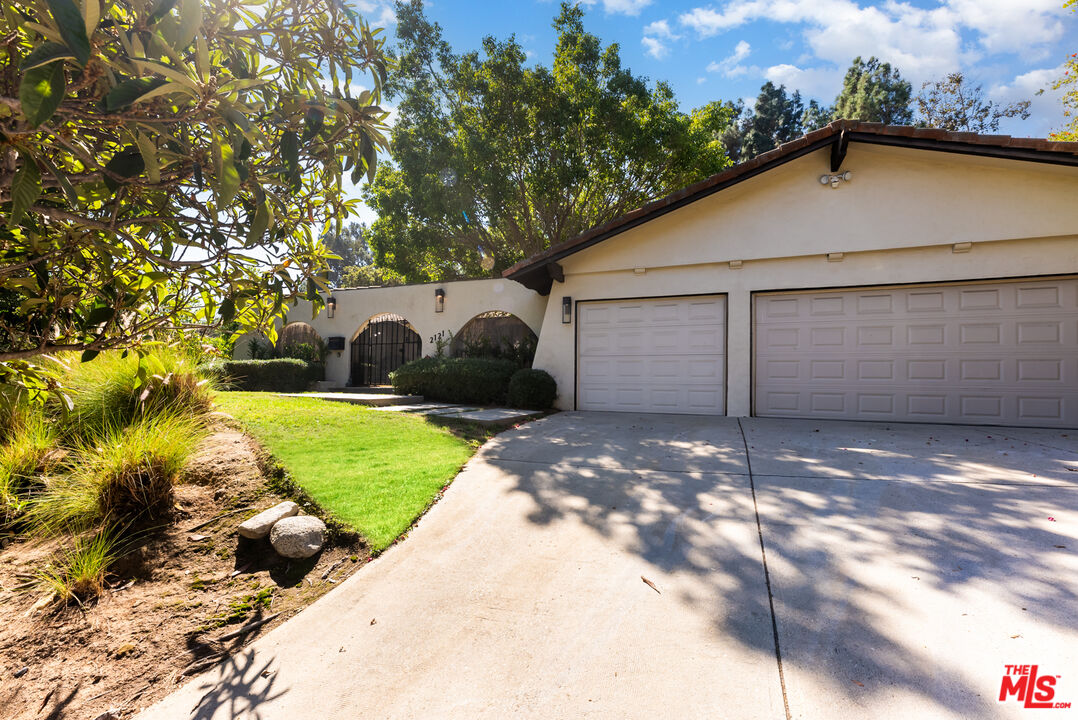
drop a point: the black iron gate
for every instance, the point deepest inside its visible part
(385, 345)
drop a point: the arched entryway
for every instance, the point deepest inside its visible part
(495, 333)
(381, 346)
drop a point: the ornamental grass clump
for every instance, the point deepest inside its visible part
(127, 473)
(117, 388)
(78, 572)
(27, 454)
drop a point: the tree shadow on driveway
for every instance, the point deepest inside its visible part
(908, 563)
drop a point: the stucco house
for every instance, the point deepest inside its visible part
(862, 271)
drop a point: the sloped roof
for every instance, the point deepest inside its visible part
(538, 271)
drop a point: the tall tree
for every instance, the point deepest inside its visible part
(493, 161)
(349, 244)
(816, 116)
(874, 92)
(775, 119)
(952, 104)
(162, 164)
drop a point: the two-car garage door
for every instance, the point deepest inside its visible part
(1001, 353)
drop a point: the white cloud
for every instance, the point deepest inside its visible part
(816, 82)
(660, 28)
(1046, 109)
(619, 7)
(379, 13)
(655, 47)
(922, 43)
(731, 66)
(701, 80)
(656, 37)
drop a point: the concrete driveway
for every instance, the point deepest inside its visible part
(898, 567)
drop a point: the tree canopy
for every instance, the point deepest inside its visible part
(873, 91)
(493, 160)
(165, 164)
(775, 119)
(952, 104)
(1068, 83)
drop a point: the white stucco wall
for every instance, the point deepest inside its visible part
(896, 222)
(464, 299)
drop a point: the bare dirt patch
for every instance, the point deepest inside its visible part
(170, 601)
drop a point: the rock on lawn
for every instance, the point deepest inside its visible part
(259, 526)
(298, 537)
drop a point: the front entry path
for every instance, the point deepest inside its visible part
(610, 565)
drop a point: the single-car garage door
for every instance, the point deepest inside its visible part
(652, 355)
(1000, 353)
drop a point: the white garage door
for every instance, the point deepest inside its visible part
(1001, 353)
(656, 355)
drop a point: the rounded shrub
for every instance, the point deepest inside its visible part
(532, 390)
(458, 380)
(279, 375)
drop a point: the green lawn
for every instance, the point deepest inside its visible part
(376, 471)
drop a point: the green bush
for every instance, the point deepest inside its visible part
(461, 380)
(532, 390)
(281, 375)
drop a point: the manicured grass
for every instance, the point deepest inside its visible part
(376, 471)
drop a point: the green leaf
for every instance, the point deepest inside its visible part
(370, 156)
(190, 22)
(44, 54)
(88, 355)
(61, 177)
(161, 10)
(166, 89)
(129, 91)
(41, 92)
(25, 190)
(228, 309)
(228, 179)
(91, 15)
(127, 163)
(100, 315)
(72, 26)
(148, 150)
(262, 220)
(290, 150)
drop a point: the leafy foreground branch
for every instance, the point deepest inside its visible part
(165, 164)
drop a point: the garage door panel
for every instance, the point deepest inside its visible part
(661, 355)
(997, 353)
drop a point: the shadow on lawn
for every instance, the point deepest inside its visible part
(682, 481)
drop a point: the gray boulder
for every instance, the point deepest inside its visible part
(259, 526)
(298, 537)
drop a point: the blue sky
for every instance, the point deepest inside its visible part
(726, 49)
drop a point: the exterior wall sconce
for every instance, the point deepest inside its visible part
(331, 306)
(439, 300)
(833, 180)
(566, 310)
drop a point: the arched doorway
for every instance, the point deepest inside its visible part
(387, 342)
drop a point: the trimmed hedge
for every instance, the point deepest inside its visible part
(459, 380)
(283, 375)
(532, 390)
